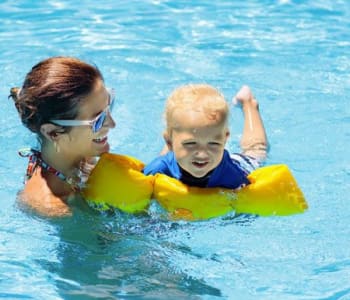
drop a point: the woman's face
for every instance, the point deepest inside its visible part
(82, 141)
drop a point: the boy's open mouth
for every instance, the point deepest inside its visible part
(199, 164)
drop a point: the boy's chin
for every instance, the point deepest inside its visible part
(198, 174)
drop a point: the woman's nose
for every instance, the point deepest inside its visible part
(109, 122)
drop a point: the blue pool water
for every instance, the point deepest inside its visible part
(295, 56)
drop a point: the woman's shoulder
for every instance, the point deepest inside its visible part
(38, 196)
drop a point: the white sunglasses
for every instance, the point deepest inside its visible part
(96, 123)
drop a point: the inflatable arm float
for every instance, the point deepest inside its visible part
(117, 181)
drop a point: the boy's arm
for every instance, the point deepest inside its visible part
(254, 141)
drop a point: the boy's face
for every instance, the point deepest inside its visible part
(197, 142)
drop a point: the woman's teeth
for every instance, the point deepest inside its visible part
(101, 139)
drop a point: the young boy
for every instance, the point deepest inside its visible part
(196, 135)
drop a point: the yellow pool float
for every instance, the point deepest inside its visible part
(117, 181)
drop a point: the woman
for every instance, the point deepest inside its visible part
(64, 101)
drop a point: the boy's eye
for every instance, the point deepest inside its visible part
(214, 144)
(189, 144)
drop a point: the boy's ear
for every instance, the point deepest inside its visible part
(50, 131)
(167, 140)
(227, 134)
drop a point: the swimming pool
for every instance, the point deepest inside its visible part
(294, 55)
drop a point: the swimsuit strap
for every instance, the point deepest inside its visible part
(36, 160)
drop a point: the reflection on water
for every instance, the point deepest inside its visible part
(107, 257)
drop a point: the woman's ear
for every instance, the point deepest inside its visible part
(50, 131)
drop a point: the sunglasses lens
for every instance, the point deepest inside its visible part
(111, 105)
(97, 125)
(99, 122)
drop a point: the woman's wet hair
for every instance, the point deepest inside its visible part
(53, 89)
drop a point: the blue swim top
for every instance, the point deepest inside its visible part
(231, 173)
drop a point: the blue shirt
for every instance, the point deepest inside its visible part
(230, 173)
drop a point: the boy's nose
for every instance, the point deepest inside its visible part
(201, 153)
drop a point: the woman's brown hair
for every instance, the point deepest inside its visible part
(53, 89)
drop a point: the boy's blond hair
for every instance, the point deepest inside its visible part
(196, 97)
